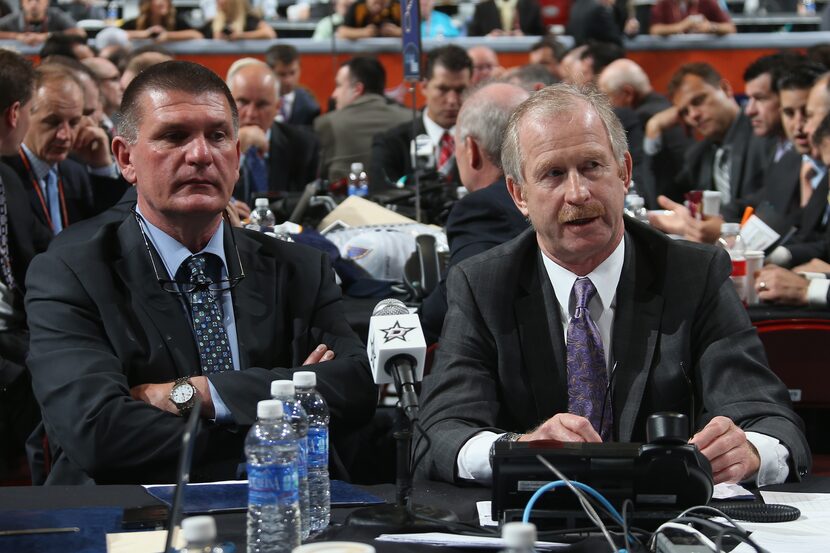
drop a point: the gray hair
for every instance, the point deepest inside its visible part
(554, 100)
(242, 63)
(625, 72)
(485, 113)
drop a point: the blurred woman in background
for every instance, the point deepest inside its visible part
(157, 20)
(235, 21)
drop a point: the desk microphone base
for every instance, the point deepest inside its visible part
(397, 517)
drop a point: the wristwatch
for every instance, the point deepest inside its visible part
(183, 395)
(506, 437)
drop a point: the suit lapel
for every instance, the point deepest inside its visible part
(636, 331)
(251, 296)
(738, 159)
(164, 309)
(540, 335)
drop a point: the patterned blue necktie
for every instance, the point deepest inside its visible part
(206, 314)
(257, 171)
(587, 376)
(53, 201)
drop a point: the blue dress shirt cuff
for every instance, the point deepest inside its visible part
(223, 414)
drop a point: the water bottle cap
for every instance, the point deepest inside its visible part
(357, 167)
(519, 534)
(261, 202)
(305, 379)
(730, 228)
(282, 388)
(636, 201)
(269, 409)
(199, 529)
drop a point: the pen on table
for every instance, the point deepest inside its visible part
(28, 531)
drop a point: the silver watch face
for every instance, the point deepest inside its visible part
(182, 393)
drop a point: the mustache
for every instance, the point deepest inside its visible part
(590, 210)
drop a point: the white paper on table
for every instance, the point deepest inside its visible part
(485, 513)
(731, 491)
(757, 235)
(454, 540)
(815, 504)
(151, 486)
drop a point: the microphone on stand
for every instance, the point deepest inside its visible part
(396, 350)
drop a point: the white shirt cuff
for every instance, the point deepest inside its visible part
(652, 146)
(473, 461)
(774, 468)
(223, 414)
(780, 256)
(817, 291)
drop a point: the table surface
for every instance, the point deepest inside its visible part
(231, 527)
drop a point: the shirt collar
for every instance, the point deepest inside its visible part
(818, 166)
(173, 253)
(606, 278)
(39, 167)
(436, 131)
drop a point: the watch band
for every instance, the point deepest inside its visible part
(506, 437)
(186, 407)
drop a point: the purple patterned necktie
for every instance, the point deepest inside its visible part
(587, 376)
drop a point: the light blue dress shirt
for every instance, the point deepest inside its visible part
(173, 254)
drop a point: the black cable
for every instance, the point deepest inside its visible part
(740, 537)
(760, 512)
(417, 461)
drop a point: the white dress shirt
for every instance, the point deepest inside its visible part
(436, 131)
(473, 461)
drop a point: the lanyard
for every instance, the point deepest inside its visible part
(39, 193)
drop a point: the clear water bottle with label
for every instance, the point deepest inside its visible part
(294, 413)
(358, 181)
(318, 448)
(274, 524)
(262, 216)
(730, 240)
(112, 11)
(519, 537)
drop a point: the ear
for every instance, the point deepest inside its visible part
(11, 115)
(121, 153)
(625, 171)
(517, 193)
(475, 155)
(727, 88)
(359, 89)
(629, 94)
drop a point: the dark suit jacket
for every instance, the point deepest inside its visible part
(487, 18)
(85, 195)
(680, 332)
(390, 155)
(779, 187)
(479, 221)
(293, 161)
(305, 108)
(667, 163)
(590, 20)
(809, 241)
(101, 324)
(749, 155)
(26, 238)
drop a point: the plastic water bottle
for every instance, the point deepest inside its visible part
(274, 524)
(519, 537)
(294, 413)
(358, 181)
(319, 493)
(200, 535)
(112, 11)
(636, 207)
(262, 216)
(730, 240)
(809, 7)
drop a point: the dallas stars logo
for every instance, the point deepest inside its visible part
(395, 332)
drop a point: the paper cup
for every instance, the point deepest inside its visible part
(711, 203)
(754, 263)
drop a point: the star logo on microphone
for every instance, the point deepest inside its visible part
(395, 332)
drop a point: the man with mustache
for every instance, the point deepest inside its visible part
(583, 326)
(151, 311)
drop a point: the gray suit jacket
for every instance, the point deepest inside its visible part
(346, 134)
(682, 342)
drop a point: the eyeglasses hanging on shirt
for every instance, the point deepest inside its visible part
(181, 287)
